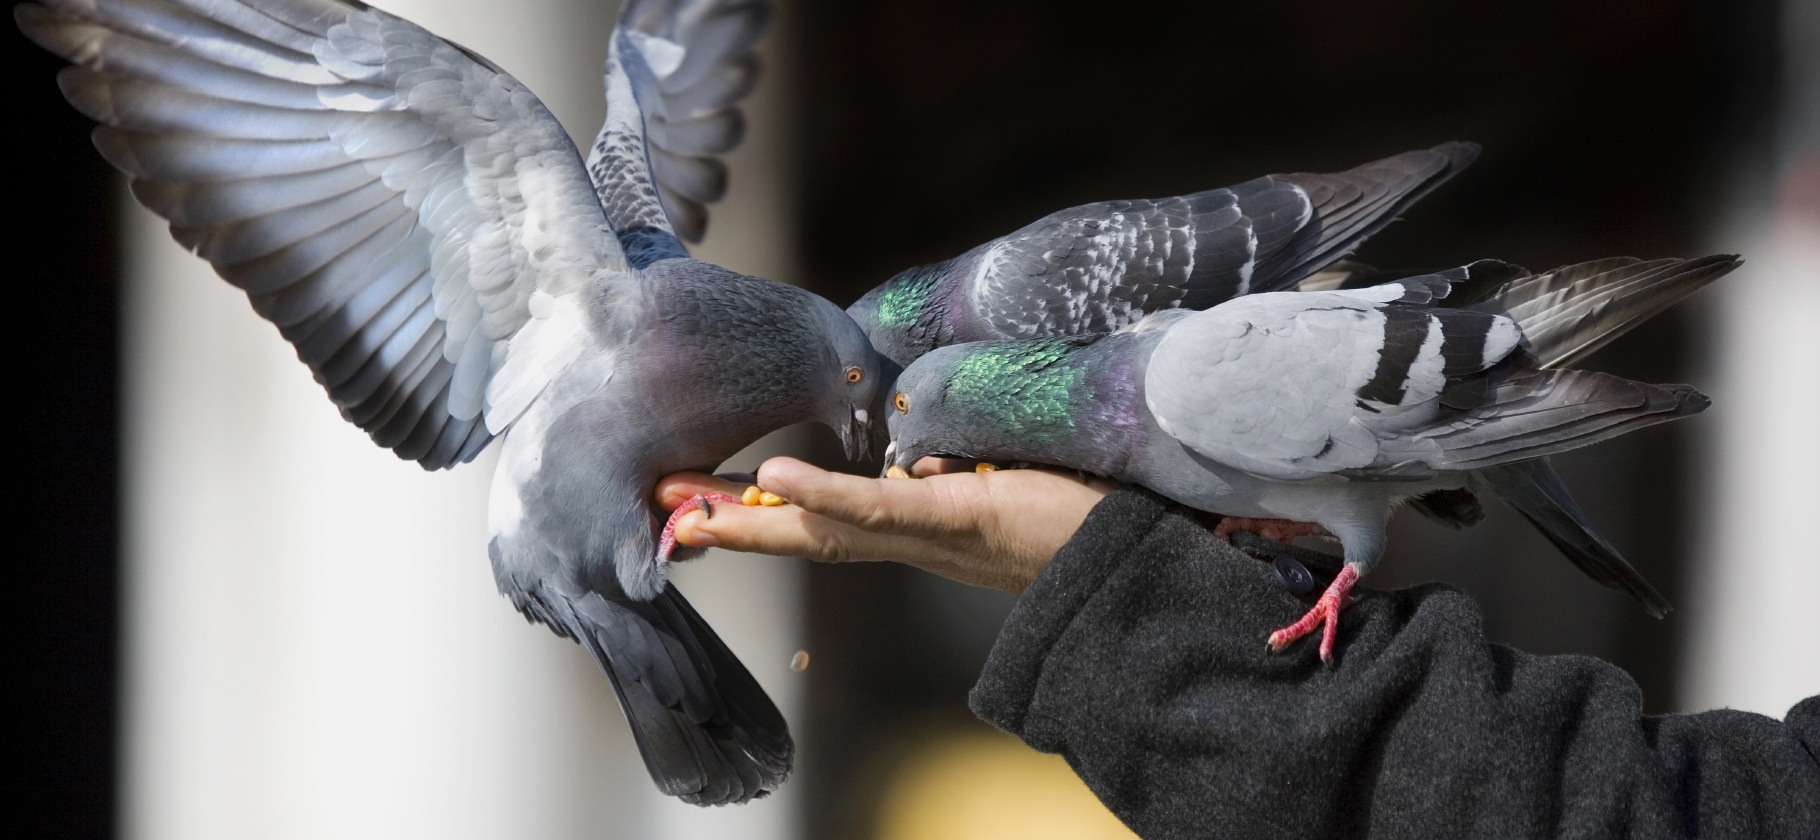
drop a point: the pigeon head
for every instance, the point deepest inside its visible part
(987, 399)
(902, 316)
(854, 381)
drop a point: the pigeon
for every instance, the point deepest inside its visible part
(1320, 412)
(424, 233)
(1099, 267)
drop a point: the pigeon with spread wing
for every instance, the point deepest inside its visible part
(424, 233)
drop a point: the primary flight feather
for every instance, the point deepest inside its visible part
(423, 232)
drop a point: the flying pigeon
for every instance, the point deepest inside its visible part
(417, 224)
(1099, 267)
(1322, 409)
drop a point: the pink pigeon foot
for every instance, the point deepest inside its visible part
(1281, 530)
(1325, 614)
(666, 542)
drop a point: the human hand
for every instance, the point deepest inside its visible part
(994, 529)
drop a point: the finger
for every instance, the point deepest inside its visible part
(793, 532)
(893, 506)
(790, 531)
(674, 489)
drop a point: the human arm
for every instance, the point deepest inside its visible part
(1137, 653)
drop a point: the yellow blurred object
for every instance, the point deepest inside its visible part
(989, 786)
(895, 471)
(771, 499)
(751, 497)
(800, 662)
(984, 467)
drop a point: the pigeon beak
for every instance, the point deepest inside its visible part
(856, 439)
(890, 452)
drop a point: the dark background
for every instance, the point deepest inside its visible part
(60, 602)
(928, 127)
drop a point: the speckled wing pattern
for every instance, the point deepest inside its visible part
(1099, 267)
(408, 215)
(675, 71)
(1379, 384)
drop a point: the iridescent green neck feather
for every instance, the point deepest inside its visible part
(906, 296)
(1025, 388)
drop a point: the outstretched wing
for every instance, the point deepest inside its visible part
(1098, 267)
(675, 71)
(1379, 384)
(413, 220)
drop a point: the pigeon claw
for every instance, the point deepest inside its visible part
(666, 542)
(1325, 614)
(1281, 530)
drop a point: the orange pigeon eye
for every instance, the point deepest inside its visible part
(854, 375)
(902, 402)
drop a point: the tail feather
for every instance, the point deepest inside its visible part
(708, 733)
(1538, 413)
(1568, 313)
(757, 723)
(1534, 490)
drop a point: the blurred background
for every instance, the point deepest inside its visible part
(233, 617)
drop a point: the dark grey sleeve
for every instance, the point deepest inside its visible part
(1138, 655)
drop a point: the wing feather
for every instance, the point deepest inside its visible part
(675, 73)
(1099, 267)
(391, 201)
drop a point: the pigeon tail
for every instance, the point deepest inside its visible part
(1533, 489)
(708, 733)
(1568, 313)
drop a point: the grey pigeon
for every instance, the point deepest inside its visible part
(417, 224)
(1099, 267)
(1328, 408)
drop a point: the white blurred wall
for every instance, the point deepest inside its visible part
(314, 644)
(1753, 617)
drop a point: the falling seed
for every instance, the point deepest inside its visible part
(752, 496)
(770, 499)
(800, 662)
(983, 467)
